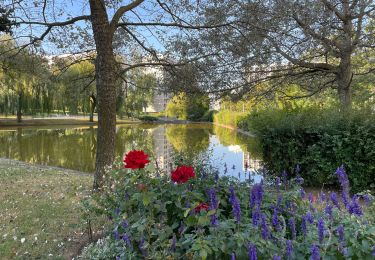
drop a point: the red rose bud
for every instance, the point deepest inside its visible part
(182, 174)
(200, 207)
(136, 159)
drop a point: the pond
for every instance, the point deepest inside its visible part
(74, 147)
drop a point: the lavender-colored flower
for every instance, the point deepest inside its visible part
(292, 226)
(321, 230)
(279, 201)
(366, 199)
(302, 193)
(116, 234)
(354, 207)
(214, 221)
(117, 211)
(236, 208)
(315, 252)
(233, 256)
(252, 251)
(173, 243)
(216, 176)
(310, 197)
(276, 257)
(141, 247)
(118, 257)
(309, 217)
(322, 197)
(124, 224)
(373, 250)
(256, 196)
(275, 220)
(127, 240)
(340, 233)
(299, 180)
(256, 216)
(328, 210)
(289, 249)
(343, 178)
(213, 198)
(345, 199)
(265, 230)
(335, 199)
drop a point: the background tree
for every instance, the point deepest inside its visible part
(309, 43)
(103, 25)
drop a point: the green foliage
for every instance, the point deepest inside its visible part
(209, 116)
(229, 118)
(148, 118)
(318, 140)
(148, 213)
(188, 106)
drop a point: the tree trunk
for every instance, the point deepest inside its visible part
(106, 91)
(19, 108)
(92, 107)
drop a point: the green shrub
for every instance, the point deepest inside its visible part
(148, 118)
(209, 116)
(318, 140)
(229, 118)
(208, 218)
(188, 106)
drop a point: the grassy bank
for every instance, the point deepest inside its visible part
(40, 211)
(11, 122)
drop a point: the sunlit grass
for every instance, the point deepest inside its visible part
(40, 211)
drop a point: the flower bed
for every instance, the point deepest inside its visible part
(191, 215)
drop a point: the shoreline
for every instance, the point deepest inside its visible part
(239, 130)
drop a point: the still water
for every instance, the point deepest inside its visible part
(74, 147)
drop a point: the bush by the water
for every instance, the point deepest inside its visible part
(148, 118)
(229, 118)
(191, 107)
(193, 214)
(318, 140)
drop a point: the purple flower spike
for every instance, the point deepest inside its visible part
(289, 249)
(265, 230)
(340, 233)
(213, 205)
(354, 207)
(315, 252)
(233, 256)
(276, 257)
(127, 240)
(367, 200)
(373, 250)
(343, 178)
(256, 196)
(309, 217)
(236, 208)
(252, 251)
(302, 193)
(292, 225)
(304, 226)
(335, 199)
(328, 210)
(116, 235)
(256, 216)
(275, 220)
(321, 230)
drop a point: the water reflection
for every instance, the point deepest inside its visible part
(74, 148)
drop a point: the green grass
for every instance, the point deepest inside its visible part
(40, 211)
(5, 122)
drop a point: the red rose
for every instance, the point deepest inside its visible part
(182, 174)
(136, 159)
(200, 207)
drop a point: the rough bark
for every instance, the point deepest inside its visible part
(19, 108)
(106, 90)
